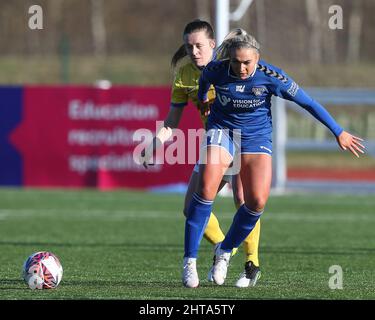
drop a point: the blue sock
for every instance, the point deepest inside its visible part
(198, 214)
(243, 222)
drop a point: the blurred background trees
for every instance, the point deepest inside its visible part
(131, 41)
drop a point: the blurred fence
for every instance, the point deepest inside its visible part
(302, 138)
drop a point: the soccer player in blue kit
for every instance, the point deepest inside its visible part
(244, 86)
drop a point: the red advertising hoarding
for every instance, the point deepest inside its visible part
(81, 136)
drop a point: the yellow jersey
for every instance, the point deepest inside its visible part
(185, 87)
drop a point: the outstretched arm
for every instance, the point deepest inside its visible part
(345, 140)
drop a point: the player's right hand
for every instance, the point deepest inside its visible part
(204, 107)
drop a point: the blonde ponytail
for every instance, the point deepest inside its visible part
(237, 38)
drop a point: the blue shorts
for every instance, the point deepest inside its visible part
(235, 143)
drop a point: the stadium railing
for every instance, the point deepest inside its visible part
(353, 97)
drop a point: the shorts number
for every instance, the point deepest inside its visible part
(220, 135)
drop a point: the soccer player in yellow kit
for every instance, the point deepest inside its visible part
(196, 52)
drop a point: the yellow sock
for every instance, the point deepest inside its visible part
(213, 232)
(251, 245)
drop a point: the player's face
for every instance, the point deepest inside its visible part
(243, 61)
(199, 47)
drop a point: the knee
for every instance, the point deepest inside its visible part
(256, 203)
(207, 193)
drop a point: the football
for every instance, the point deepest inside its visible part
(42, 270)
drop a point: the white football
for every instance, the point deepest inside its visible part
(42, 270)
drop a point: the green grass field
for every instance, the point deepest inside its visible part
(129, 245)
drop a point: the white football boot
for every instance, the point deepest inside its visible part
(249, 277)
(221, 266)
(190, 277)
(210, 277)
(210, 272)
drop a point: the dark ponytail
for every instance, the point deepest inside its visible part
(193, 26)
(179, 54)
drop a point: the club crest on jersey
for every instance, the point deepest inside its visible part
(258, 91)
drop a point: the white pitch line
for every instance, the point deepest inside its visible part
(76, 214)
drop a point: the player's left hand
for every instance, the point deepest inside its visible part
(348, 141)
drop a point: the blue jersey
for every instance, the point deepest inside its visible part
(246, 103)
